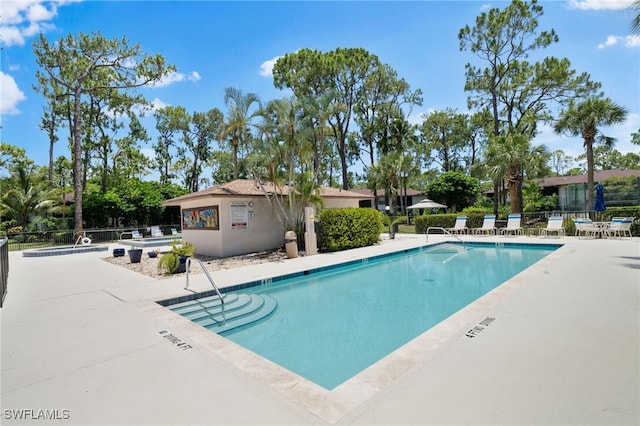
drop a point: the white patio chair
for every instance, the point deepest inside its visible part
(488, 226)
(554, 225)
(513, 225)
(460, 226)
(586, 228)
(619, 226)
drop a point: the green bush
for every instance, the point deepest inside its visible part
(343, 229)
(62, 237)
(628, 211)
(448, 220)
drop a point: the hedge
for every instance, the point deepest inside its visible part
(343, 229)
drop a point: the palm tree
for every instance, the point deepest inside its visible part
(283, 155)
(506, 156)
(583, 119)
(236, 127)
(635, 23)
(27, 195)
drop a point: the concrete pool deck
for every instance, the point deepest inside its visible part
(84, 342)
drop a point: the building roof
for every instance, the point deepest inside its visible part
(252, 188)
(366, 191)
(599, 175)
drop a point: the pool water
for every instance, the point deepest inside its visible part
(330, 325)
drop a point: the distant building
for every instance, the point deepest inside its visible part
(402, 201)
(572, 190)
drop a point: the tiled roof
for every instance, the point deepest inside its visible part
(251, 188)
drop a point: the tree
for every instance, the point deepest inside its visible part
(11, 155)
(635, 23)
(284, 158)
(26, 194)
(510, 157)
(560, 162)
(635, 137)
(169, 123)
(343, 73)
(447, 134)
(378, 105)
(238, 121)
(201, 130)
(583, 119)
(455, 189)
(91, 65)
(516, 93)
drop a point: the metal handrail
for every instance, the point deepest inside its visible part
(213, 284)
(444, 231)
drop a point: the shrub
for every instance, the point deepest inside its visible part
(342, 229)
(170, 261)
(448, 220)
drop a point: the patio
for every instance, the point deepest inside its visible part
(83, 338)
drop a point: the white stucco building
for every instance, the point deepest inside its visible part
(236, 217)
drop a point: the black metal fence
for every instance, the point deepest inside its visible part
(29, 240)
(4, 269)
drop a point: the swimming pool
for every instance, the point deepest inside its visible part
(331, 324)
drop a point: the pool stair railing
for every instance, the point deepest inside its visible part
(210, 278)
(444, 231)
(226, 314)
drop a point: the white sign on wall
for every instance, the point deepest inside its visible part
(239, 216)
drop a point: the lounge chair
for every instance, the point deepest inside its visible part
(513, 225)
(619, 226)
(586, 228)
(156, 231)
(460, 226)
(553, 225)
(488, 226)
(175, 232)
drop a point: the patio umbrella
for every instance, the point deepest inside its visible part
(427, 204)
(599, 204)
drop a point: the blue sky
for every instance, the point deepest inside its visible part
(217, 44)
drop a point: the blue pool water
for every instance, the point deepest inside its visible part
(332, 324)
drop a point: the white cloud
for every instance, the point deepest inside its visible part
(11, 95)
(632, 41)
(629, 41)
(177, 77)
(611, 41)
(10, 36)
(600, 4)
(266, 68)
(157, 104)
(21, 19)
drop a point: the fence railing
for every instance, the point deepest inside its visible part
(4, 269)
(39, 239)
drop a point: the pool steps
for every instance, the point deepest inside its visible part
(239, 310)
